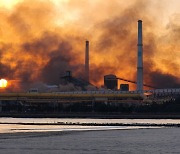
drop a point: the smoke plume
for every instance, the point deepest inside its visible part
(40, 40)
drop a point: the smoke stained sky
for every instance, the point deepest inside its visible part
(41, 39)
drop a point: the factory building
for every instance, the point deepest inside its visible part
(67, 77)
(78, 83)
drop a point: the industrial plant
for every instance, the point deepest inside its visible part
(78, 94)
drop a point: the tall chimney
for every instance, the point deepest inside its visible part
(140, 59)
(87, 61)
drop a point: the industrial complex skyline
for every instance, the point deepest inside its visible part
(41, 40)
(89, 76)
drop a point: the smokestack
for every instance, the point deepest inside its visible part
(87, 61)
(140, 59)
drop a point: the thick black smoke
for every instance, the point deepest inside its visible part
(58, 56)
(161, 80)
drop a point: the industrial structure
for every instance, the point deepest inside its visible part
(81, 94)
(140, 59)
(77, 83)
(87, 61)
(110, 82)
(77, 96)
(124, 87)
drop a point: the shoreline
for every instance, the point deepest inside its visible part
(42, 133)
(95, 124)
(8, 135)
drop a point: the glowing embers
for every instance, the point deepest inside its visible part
(3, 83)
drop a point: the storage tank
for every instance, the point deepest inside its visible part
(110, 82)
(124, 87)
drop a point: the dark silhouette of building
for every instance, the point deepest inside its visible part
(110, 82)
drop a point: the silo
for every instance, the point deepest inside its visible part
(110, 82)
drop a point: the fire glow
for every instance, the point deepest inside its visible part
(46, 38)
(3, 83)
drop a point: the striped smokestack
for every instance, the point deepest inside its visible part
(87, 61)
(140, 59)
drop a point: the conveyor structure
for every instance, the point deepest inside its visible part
(62, 97)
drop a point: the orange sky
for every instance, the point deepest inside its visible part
(32, 32)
